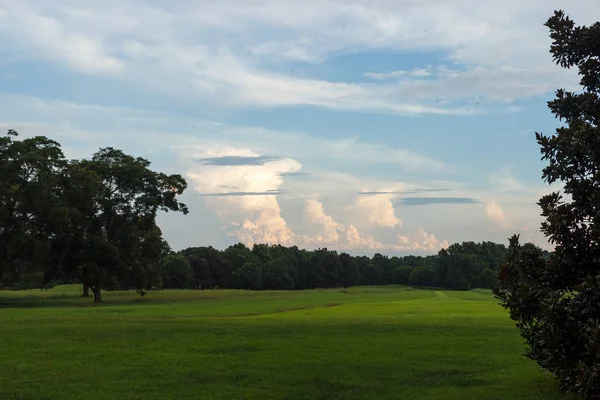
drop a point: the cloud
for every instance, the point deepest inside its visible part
(385, 75)
(237, 194)
(505, 181)
(496, 214)
(423, 201)
(421, 72)
(144, 44)
(92, 126)
(253, 213)
(420, 241)
(329, 228)
(348, 237)
(50, 38)
(417, 72)
(238, 160)
(413, 191)
(377, 210)
(294, 174)
(255, 217)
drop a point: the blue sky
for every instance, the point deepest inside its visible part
(280, 113)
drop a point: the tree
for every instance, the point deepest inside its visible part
(249, 276)
(176, 272)
(201, 271)
(276, 275)
(331, 269)
(110, 205)
(555, 300)
(28, 186)
(350, 270)
(421, 276)
(371, 275)
(402, 275)
(487, 279)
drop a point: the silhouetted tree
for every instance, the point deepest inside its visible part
(555, 299)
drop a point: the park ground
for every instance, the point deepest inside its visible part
(361, 343)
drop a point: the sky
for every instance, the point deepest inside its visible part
(390, 126)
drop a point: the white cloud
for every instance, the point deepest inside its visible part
(257, 218)
(378, 210)
(501, 49)
(495, 213)
(385, 75)
(329, 228)
(50, 38)
(420, 241)
(505, 181)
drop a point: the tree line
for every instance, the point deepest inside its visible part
(275, 267)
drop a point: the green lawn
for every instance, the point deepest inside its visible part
(363, 343)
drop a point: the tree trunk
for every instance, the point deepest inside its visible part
(97, 294)
(86, 290)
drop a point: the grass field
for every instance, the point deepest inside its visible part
(363, 343)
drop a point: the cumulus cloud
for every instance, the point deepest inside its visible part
(420, 241)
(377, 210)
(254, 214)
(496, 214)
(348, 237)
(256, 218)
(329, 228)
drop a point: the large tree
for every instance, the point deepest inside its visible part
(109, 233)
(556, 300)
(29, 171)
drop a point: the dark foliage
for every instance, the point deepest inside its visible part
(92, 221)
(555, 300)
(276, 267)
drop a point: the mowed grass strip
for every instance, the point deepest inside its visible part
(360, 343)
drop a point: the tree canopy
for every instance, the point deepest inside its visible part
(278, 267)
(555, 300)
(92, 220)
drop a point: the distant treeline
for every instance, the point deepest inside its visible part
(274, 267)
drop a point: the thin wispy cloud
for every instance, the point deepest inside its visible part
(238, 194)
(413, 191)
(386, 75)
(238, 160)
(294, 174)
(426, 201)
